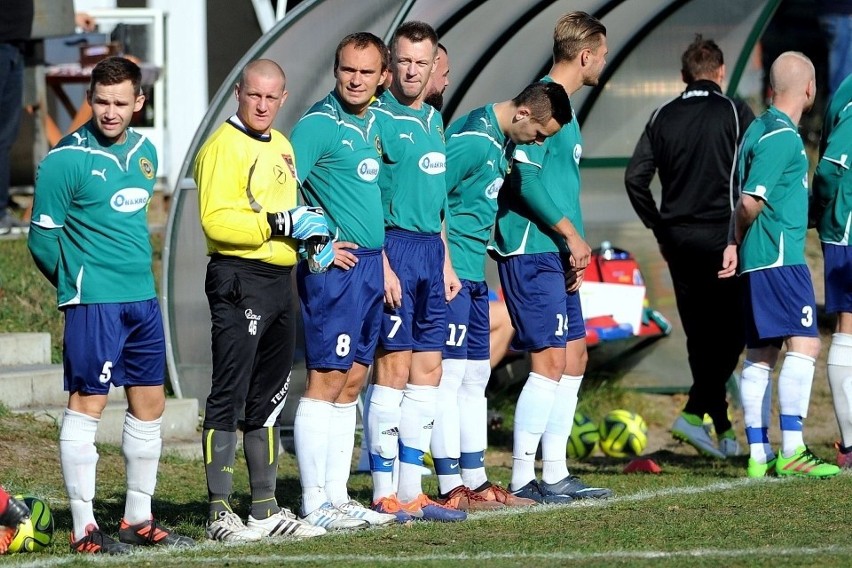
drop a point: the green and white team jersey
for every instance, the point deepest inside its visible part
(337, 160)
(772, 166)
(478, 158)
(89, 223)
(411, 178)
(832, 181)
(542, 188)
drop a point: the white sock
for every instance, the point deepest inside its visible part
(445, 434)
(473, 422)
(310, 437)
(141, 444)
(756, 398)
(383, 441)
(79, 459)
(418, 407)
(840, 380)
(341, 442)
(554, 441)
(531, 415)
(794, 395)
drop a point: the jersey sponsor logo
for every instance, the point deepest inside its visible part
(493, 188)
(578, 152)
(100, 173)
(433, 163)
(348, 143)
(78, 137)
(129, 199)
(368, 169)
(409, 136)
(147, 168)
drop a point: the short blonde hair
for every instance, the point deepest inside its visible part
(574, 32)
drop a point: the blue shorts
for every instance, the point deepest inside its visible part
(779, 303)
(468, 323)
(838, 278)
(420, 323)
(542, 312)
(342, 311)
(119, 344)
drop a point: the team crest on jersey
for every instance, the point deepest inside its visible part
(441, 132)
(378, 142)
(578, 152)
(147, 168)
(288, 159)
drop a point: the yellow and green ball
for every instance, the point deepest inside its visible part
(584, 437)
(623, 434)
(34, 534)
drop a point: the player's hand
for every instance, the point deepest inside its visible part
(393, 289)
(576, 280)
(729, 262)
(581, 252)
(452, 284)
(320, 253)
(342, 258)
(300, 223)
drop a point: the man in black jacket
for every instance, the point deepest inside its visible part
(691, 141)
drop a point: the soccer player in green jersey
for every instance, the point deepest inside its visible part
(770, 222)
(337, 159)
(832, 204)
(541, 256)
(479, 154)
(89, 237)
(418, 279)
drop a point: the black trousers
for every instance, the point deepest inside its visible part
(253, 340)
(711, 310)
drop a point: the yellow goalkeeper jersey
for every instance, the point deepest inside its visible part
(241, 177)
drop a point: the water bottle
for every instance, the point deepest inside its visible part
(606, 250)
(314, 245)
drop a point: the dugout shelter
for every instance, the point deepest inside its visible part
(496, 47)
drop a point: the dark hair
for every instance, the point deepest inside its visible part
(415, 32)
(115, 70)
(701, 59)
(575, 32)
(363, 40)
(546, 100)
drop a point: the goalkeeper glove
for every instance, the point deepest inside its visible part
(320, 254)
(299, 223)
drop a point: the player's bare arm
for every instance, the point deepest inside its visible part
(748, 208)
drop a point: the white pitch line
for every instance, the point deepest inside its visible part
(165, 556)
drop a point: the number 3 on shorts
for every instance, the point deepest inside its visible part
(807, 316)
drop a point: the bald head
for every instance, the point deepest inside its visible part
(791, 72)
(793, 81)
(265, 68)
